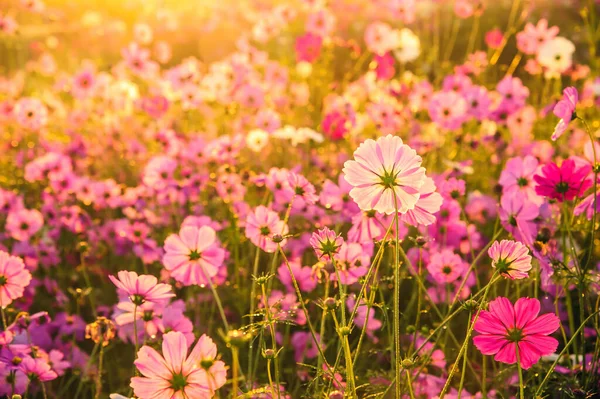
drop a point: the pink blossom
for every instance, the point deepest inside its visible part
(505, 327)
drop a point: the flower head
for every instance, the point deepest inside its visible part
(505, 327)
(142, 288)
(386, 175)
(194, 255)
(510, 258)
(13, 278)
(565, 110)
(173, 374)
(262, 225)
(563, 183)
(326, 242)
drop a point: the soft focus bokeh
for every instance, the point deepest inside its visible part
(299, 199)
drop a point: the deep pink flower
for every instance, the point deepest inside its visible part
(565, 110)
(563, 183)
(194, 255)
(494, 38)
(174, 374)
(308, 47)
(262, 225)
(505, 327)
(510, 258)
(386, 175)
(142, 288)
(13, 278)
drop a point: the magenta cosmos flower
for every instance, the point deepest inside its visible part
(143, 288)
(194, 255)
(505, 327)
(262, 225)
(510, 258)
(174, 374)
(13, 278)
(564, 183)
(386, 175)
(565, 110)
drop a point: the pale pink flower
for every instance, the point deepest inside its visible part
(510, 258)
(142, 288)
(386, 175)
(194, 255)
(13, 278)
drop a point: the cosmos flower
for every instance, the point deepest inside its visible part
(386, 175)
(262, 225)
(556, 56)
(326, 242)
(13, 278)
(142, 288)
(505, 327)
(427, 206)
(565, 110)
(563, 183)
(173, 374)
(194, 255)
(446, 266)
(22, 224)
(510, 258)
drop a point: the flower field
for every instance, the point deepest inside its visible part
(280, 199)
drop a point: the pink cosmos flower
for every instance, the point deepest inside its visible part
(194, 255)
(37, 369)
(386, 175)
(31, 113)
(510, 258)
(308, 47)
(446, 266)
(24, 223)
(565, 110)
(518, 215)
(13, 278)
(352, 263)
(494, 38)
(173, 374)
(326, 242)
(262, 225)
(428, 204)
(448, 109)
(142, 288)
(505, 327)
(517, 176)
(533, 37)
(563, 183)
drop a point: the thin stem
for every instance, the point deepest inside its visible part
(350, 388)
(521, 384)
(410, 387)
(99, 374)
(252, 311)
(217, 298)
(397, 301)
(560, 355)
(467, 338)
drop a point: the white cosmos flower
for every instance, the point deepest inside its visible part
(409, 46)
(556, 55)
(257, 139)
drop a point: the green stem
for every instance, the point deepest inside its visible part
(521, 384)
